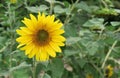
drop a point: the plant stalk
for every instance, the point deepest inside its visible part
(34, 68)
(108, 54)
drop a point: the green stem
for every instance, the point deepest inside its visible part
(101, 74)
(100, 35)
(10, 56)
(34, 68)
(116, 61)
(78, 45)
(108, 54)
(118, 30)
(104, 3)
(51, 6)
(68, 16)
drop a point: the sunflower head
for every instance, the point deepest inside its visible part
(41, 37)
(13, 1)
(89, 76)
(109, 71)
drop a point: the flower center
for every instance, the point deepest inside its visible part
(43, 35)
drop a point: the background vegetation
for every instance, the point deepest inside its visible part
(92, 30)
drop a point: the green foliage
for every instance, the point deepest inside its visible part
(95, 23)
(92, 31)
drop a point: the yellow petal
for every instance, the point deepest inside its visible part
(24, 39)
(39, 16)
(58, 38)
(52, 18)
(43, 15)
(29, 49)
(29, 24)
(33, 19)
(55, 27)
(55, 47)
(38, 54)
(27, 46)
(33, 52)
(26, 30)
(20, 32)
(58, 24)
(20, 45)
(57, 32)
(43, 55)
(50, 51)
(59, 43)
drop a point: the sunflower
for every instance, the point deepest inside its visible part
(109, 71)
(13, 1)
(89, 76)
(41, 37)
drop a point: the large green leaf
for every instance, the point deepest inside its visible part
(37, 9)
(72, 40)
(92, 47)
(46, 76)
(115, 23)
(95, 23)
(22, 65)
(21, 73)
(70, 52)
(58, 9)
(82, 5)
(82, 62)
(57, 67)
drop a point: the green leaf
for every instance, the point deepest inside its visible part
(82, 62)
(72, 40)
(115, 23)
(66, 3)
(117, 10)
(45, 63)
(22, 65)
(70, 30)
(46, 76)
(58, 9)
(70, 52)
(116, 53)
(107, 11)
(21, 73)
(2, 49)
(92, 47)
(95, 23)
(4, 73)
(54, 2)
(37, 9)
(84, 32)
(2, 40)
(1, 5)
(82, 5)
(91, 70)
(57, 67)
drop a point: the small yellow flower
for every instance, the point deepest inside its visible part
(89, 76)
(109, 71)
(13, 1)
(41, 37)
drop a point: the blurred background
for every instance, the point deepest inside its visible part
(92, 30)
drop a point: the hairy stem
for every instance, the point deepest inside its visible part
(51, 6)
(34, 68)
(104, 3)
(68, 16)
(101, 74)
(108, 54)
